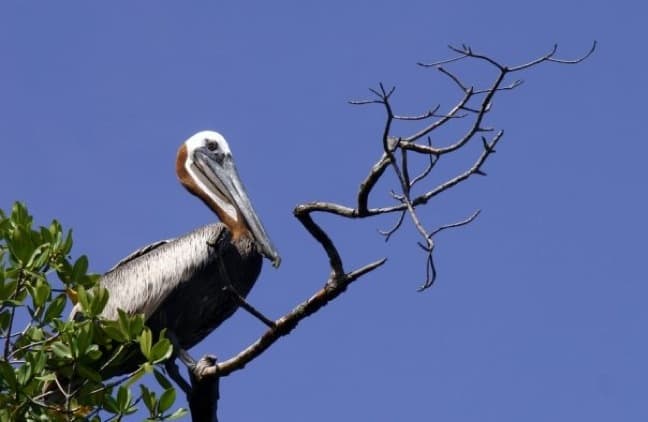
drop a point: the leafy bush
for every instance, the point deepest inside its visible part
(52, 368)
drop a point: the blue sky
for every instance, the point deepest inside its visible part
(539, 311)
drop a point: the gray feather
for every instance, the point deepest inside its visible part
(176, 283)
(139, 252)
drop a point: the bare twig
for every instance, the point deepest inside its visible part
(443, 120)
(457, 224)
(440, 62)
(389, 232)
(426, 115)
(433, 160)
(549, 57)
(454, 78)
(509, 87)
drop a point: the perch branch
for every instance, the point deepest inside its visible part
(284, 325)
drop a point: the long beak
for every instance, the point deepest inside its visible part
(221, 172)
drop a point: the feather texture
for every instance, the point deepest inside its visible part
(177, 284)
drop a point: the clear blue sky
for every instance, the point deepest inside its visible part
(539, 312)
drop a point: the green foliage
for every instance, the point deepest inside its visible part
(52, 368)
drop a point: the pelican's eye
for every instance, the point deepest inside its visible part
(212, 145)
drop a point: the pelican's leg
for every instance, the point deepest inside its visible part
(179, 352)
(218, 243)
(244, 304)
(173, 371)
(171, 366)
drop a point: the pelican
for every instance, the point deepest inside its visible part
(179, 284)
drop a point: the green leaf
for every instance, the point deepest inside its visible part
(89, 373)
(34, 333)
(162, 380)
(19, 215)
(149, 399)
(5, 316)
(93, 352)
(124, 324)
(55, 308)
(41, 293)
(23, 374)
(161, 351)
(99, 301)
(20, 246)
(74, 346)
(43, 258)
(166, 400)
(85, 337)
(82, 297)
(80, 268)
(4, 223)
(179, 413)
(146, 338)
(61, 350)
(7, 374)
(92, 278)
(67, 243)
(47, 377)
(39, 256)
(136, 325)
(110, 404)
(55, 228)
(113, 330)
(38, 361)
(7, 289)
(45, 235)
(123, 398)
(64, 271)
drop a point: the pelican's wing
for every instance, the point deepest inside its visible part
(140, 252)
(111, 312)
(143, 280)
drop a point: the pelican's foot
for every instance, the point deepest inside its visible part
(201, 370)
(203, 400)
(186, 358)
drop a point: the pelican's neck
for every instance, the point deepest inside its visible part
(232, 218)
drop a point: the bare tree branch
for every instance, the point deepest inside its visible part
(303, 214)
(395, 149)
(550, 58)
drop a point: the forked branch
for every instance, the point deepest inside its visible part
(474, 103)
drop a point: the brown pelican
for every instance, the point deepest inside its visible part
(179, 284)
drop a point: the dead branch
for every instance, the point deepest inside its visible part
(474, 103)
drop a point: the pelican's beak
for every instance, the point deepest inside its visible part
(219, 169)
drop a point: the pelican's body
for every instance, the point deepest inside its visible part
(179, 284)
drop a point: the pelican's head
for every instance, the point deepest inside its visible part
(205, 167)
